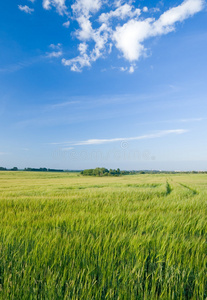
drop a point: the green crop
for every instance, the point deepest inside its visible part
(64, 236)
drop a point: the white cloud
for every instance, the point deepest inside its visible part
(142, 137)
(66, 24)
(85, 32)
(129, 38)
(80, 61)
(58, 4)
(26, 9)
(110, 48)
(77, 63)
(118, 3)
(82, 10)
(46, 4)
(55, 54)
(122, 12)
(155, 10)
(131, 69)
(98, 36)
(158, 134)
(85, 7)
(82, 48)
(121, 26)
(166, 22)
(57, 51)
(123, 69)
(55, 47)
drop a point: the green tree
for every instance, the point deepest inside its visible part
(14, 169)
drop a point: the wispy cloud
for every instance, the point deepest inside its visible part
(57, 51)
(67, 149)
(55, 47)
(191, 120)
(3, 153)
(26, 8)
(63, 104)
(80, 109)
(19, 65)
(158, 134)
(187, 120)
(55, 54)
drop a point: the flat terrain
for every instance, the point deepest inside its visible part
(64, 236)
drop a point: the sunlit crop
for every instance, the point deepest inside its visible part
(64, 236)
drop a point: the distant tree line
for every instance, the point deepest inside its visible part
(31, 169)
(105, 172)
(2, 169)
(5, 169)
(42, 170)
(114, 172)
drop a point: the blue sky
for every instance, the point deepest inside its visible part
(88, 83)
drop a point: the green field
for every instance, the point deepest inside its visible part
(64, 236)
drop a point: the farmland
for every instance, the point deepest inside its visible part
(65, 236)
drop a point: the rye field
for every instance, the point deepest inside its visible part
(65, 236)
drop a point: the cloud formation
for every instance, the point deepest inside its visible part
(129, 38)
(123, 27)
(104, 26)
(122, 12)
(58, 4)
(158, 134)
(57, 51)
(26, 9)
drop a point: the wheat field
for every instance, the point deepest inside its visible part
(65, 236)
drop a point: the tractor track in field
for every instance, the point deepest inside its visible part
(169, 187)
(193, 191)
